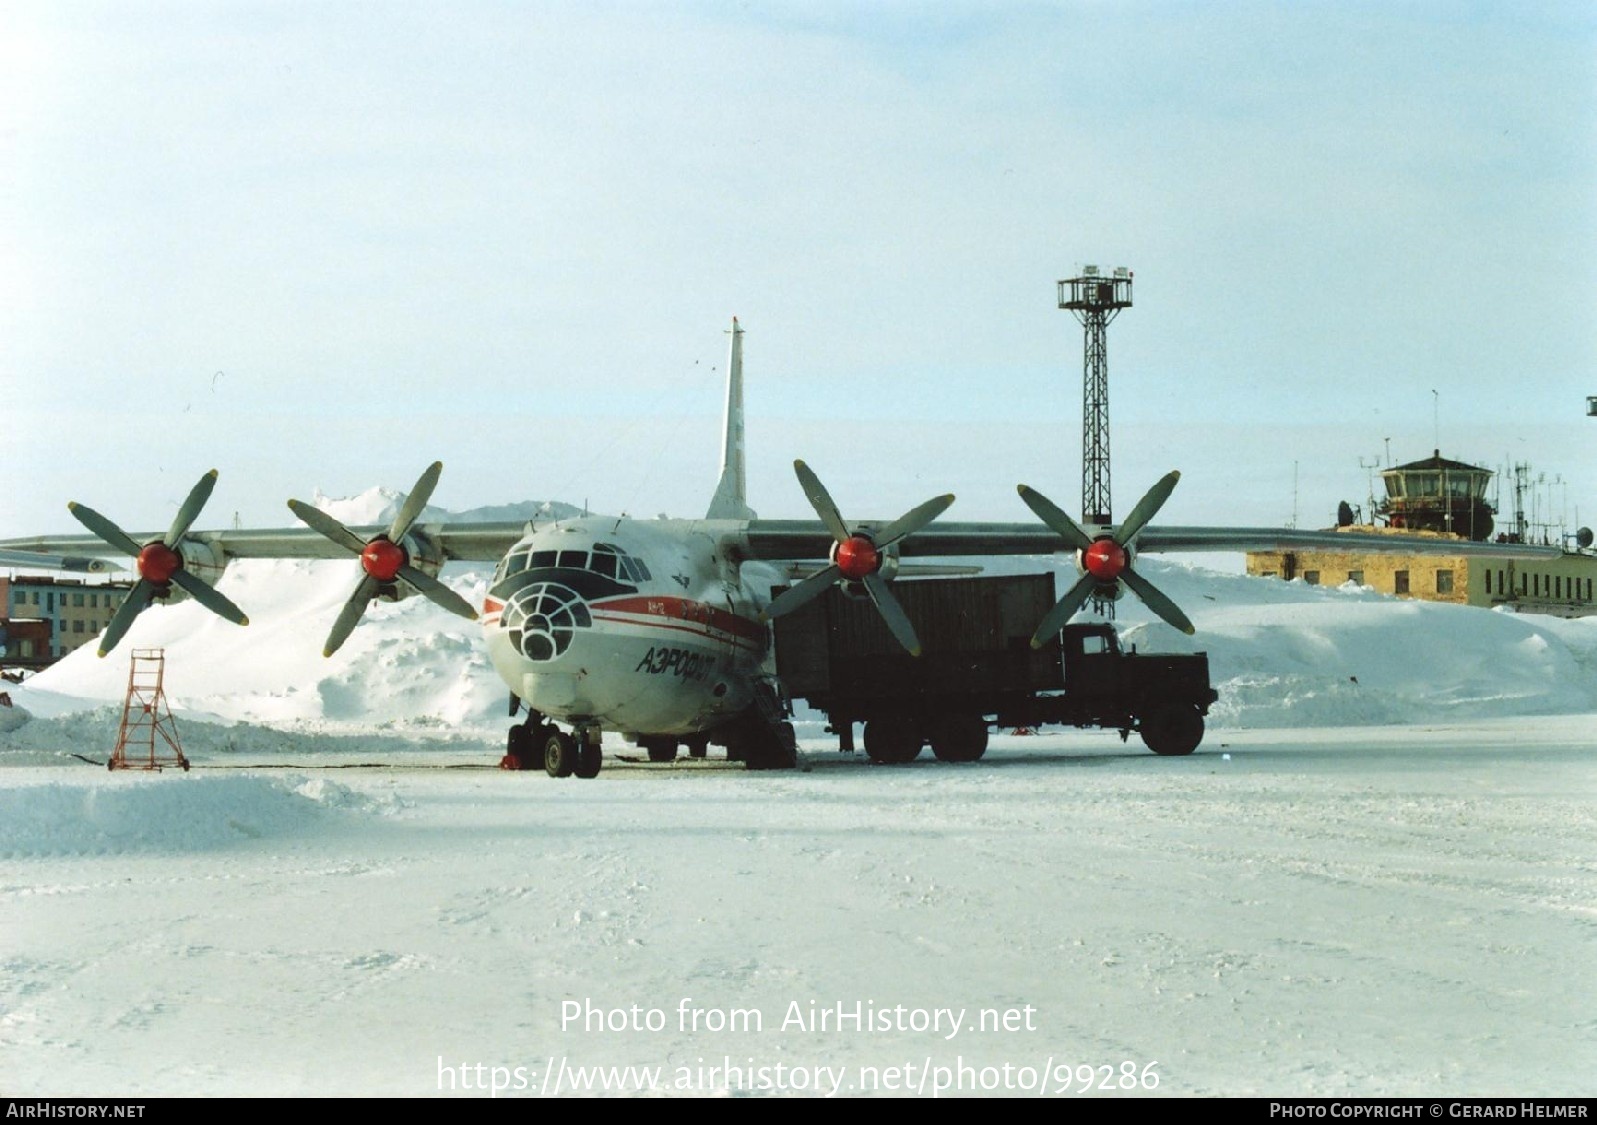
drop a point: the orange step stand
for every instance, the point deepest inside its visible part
(145, 715)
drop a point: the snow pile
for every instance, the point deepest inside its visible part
(1283, 654)
(12, 718)
(376, 507)
(409, 663)
(129, 813)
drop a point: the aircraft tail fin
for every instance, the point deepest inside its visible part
(730, 500)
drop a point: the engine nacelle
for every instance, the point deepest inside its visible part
(203, 560)
(423, 554)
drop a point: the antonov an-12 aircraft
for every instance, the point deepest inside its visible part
(657, 629)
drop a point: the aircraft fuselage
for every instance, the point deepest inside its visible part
(642, 627)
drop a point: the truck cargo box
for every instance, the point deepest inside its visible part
(975, 636)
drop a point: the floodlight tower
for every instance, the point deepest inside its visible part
(1096, 300)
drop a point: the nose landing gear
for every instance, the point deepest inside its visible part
(536, 741)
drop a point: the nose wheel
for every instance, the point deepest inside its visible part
(573, 755)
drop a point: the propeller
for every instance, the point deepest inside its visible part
(159, 563)
(383, 559)
(857, 557)
(1105, 560)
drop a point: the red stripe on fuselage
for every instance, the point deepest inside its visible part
(681, 613)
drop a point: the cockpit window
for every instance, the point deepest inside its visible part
(606, 559)
(635, 568)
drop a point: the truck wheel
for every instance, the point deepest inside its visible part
(893, 740)
(1172, 731)
(959, 738)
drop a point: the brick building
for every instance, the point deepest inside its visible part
(44, 618)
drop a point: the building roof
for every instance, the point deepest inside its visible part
(1436, 462)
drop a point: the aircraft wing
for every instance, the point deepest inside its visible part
(1107, 556)
(36, 559)
(465, 542)
(805, 539)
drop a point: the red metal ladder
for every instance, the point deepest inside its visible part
(145, 714)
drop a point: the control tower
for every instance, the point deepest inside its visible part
(1438, 495)
(1096, 300)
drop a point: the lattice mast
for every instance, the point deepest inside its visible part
(1096, 300)
(146, 717)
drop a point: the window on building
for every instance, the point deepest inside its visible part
(1311, 577)
(1400, 582)
(1444, 581)
(77, 626)
(77, 600)
(1356, 576)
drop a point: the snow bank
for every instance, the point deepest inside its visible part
(130, 813)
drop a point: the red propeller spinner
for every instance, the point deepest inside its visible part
(856, 557)
(1104, 560)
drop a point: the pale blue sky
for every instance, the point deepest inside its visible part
(511, 236)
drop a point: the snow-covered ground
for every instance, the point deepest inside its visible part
(1378, 875)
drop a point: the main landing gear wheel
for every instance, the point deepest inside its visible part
(959, 738)
(660, 749)
(589, 759)
(1172, 731)
(559, 754)
(775, 748)
(893, 740)
(523, 744)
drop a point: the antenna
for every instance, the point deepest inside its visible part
(1096, 300)
(1294, 522)
(1369, 476)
